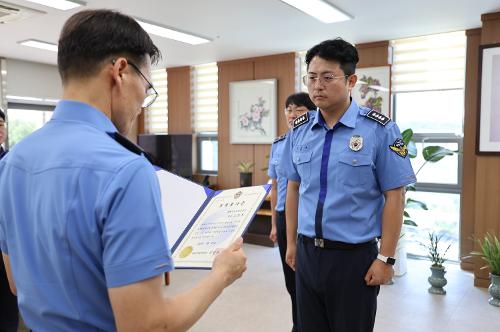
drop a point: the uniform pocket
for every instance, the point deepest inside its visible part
(354, 169)
(303, 161)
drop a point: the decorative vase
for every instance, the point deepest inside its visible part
(400, 267)
(437, 280)
(494, 290)
(245, 179)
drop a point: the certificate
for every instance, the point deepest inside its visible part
(208, 220)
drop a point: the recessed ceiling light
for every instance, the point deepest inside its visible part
(39, 44)
(319, 9)
(59, 4)
(169, 33)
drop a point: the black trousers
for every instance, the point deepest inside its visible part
(287, 271)
(8, 303)
(332, 295)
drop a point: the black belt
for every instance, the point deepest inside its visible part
(327, 244)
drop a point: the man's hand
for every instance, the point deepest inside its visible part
(230, 262)
(272, 234)
(379, 273)
(290, 255)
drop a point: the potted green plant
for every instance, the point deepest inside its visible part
(437, 257)
(431, 154)
(245, 173)
(490, 252)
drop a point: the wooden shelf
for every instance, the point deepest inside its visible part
(264, 212)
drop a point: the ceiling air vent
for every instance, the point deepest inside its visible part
(13, 13)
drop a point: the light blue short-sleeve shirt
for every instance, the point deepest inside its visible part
(275, 171)
(80, 214)
(344, 171)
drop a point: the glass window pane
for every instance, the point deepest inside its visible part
(444, 171)
(23, 122)
(431, 111)
(442, 217)
(209, 155)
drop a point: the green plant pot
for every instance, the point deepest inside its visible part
(494, 290)
(245, 179)
(437, 280)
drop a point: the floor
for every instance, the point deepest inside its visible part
(259, 301)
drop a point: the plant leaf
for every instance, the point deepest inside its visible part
(412, 149)
(434, 153)
(406, 214)
(407, 135)
(413, 203)
(410, 222)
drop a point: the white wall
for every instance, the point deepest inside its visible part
(31, 79)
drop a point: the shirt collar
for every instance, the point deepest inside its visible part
(70, 110)
(348, 119)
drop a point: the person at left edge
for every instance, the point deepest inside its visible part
(295, 105)
(82, 230)
(9, 313)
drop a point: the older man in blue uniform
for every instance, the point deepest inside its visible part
(81, 227)
(347, 167)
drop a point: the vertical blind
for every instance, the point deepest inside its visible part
(156, 116)
(434, 62)
(204, 97)
(300, 70)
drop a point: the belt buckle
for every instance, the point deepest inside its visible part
(319, 243)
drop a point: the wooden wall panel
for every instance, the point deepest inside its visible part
(373, 54)
(467, 199)
(487, 209)
(179, 100)
(281, 67)
(230, 154)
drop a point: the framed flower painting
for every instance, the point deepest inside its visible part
(372, 89)
(252, 112)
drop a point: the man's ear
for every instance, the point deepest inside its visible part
(351, 81)
(117, 69)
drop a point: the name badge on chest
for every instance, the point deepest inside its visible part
(356, 143)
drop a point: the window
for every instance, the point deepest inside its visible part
(23, 119)
(207, 150)
(428, 75)
(156, 116)
(205, 108)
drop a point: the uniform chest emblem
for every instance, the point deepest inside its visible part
(356, 143)
(399, 147)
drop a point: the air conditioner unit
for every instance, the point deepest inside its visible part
(13, 13)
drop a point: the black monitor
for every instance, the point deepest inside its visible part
(171, 152)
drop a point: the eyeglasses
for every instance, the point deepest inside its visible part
(151, 93)
(323, 79)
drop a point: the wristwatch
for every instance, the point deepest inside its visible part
(386, 260)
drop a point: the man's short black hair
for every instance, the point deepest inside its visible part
(91, 37)
(2, 114)
(300, 99)
(337, 50)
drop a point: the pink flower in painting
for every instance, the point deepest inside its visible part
(252, 121)
(244, 121)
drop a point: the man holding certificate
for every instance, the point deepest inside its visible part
(82, 231)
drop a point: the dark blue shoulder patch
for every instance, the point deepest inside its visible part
(378, 117)
(282, 137)
(304, 118)
(131, 146)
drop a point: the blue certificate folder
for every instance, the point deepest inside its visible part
(201, 221)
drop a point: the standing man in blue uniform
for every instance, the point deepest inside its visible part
(295, 105)
(81, 226)
(9, 313)
(347, 167)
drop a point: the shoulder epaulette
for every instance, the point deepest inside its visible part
(282, 137)
(304, 118)
(378, 117)
(131, 146)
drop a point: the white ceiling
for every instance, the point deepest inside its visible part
(246, 28)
